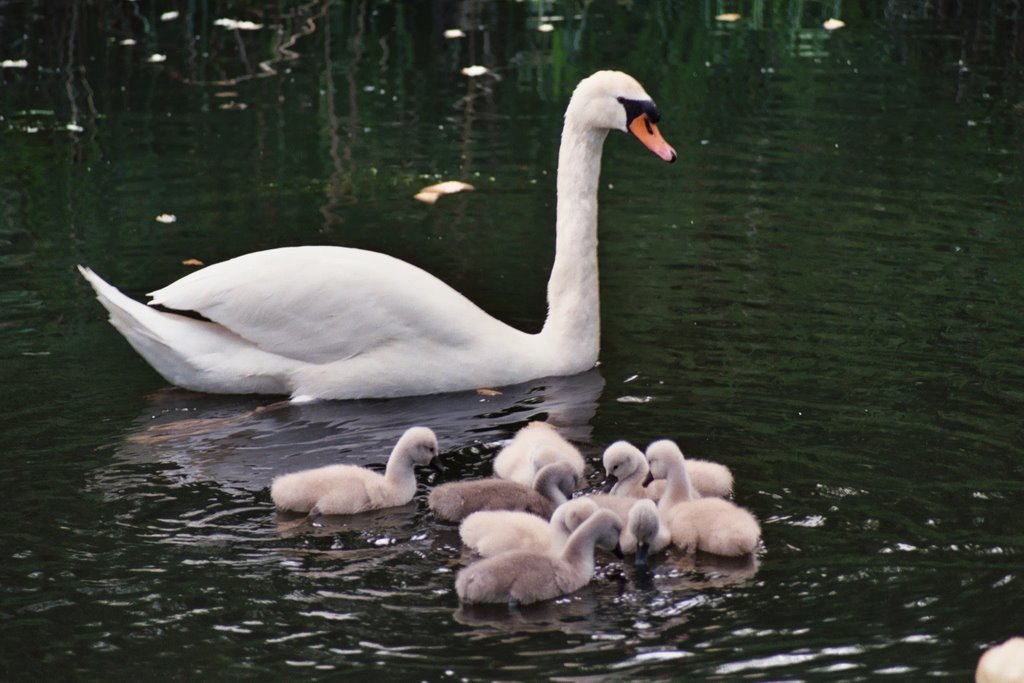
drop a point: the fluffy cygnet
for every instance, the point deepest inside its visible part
(625, 468)
(521, 577)
(1002, 663)
(552, 486)
(644, 533)
(347, 489)
(490, 532)
(534, 446)
(712, 525)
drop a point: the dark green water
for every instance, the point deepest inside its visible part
(824, 293)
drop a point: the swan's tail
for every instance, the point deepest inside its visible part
(189, 353)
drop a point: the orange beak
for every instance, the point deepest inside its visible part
(647, 133)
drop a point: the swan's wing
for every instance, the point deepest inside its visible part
(319, 304)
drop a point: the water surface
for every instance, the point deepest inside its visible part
(823, 293)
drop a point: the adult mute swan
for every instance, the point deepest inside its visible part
(323, 322)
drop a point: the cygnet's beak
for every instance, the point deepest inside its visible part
(609, 483)
(436, 465)
(642, 550)
(617, 551)
(648, 479)
(644, 130)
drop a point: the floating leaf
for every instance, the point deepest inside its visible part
(226, 93)
(192, 262)
(474, 71)
(166, 218)
(729, 17)
(454, 33)
(156, 58)
(488, 392)
(234, 24)
(169, 16)
(14, 64)
(430, 194)
(833, 24)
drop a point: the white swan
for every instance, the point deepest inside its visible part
(712, 525)
(1003, 663)
(321, 322)
(490, 532)
(534, 446)
(527, 577)
(348, 489)
(625, 467)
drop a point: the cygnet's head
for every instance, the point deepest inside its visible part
(419, 444)
(571, 514)
(616, 101)
(621, 460)
(662, 457)
(608, 526)
(559, 476)
(644, 524)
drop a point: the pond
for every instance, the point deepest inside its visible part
(823, 293)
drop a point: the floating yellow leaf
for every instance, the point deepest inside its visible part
(833, 24)
(730, 16)
(474, 71)
(488, 392)
(430, 194)
(192, 262)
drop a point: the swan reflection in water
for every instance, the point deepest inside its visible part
(244, 442)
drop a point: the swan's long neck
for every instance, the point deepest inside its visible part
(573, 325)
(579, 550)
(400, 473)
(679, 488)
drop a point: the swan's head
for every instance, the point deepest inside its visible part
(663, 457)
(621, 461)
(571, 514)
(644, 525)
(419, 444)
(615, 101)
(556, 478)
(606, 527)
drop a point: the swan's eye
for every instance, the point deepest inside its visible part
(635, 108)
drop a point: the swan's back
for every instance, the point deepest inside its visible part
(713, 525)
(490, 532)
(534, 446)
(456, 500)
(333, 489)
